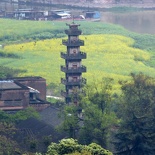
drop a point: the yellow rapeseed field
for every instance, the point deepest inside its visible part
(107, 56)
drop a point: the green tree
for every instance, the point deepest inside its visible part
(7, 145)
(136, 133)
(29, 112)
(71, 146)
(98, 113)
(100, 94)
(98, 116)
(70, 120)
(18, 116)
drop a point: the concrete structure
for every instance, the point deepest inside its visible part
(73, 68)
(19, 93)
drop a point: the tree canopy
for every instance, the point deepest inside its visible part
(72, 147)
(97, 114)
(136, 133)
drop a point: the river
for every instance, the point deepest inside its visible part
(140, 21)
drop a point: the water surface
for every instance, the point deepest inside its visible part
(140, 21)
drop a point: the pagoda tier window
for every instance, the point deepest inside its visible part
(74, 51)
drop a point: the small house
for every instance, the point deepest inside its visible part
(21, 92)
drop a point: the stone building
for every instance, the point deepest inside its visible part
(19, 93)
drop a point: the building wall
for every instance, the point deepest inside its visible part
(37, 83)
(17, 96)
(14, 98)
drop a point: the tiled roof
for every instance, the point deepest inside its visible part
(50, 116)
(34, 129)
(8, 84)
(40, 128)
(28, 78)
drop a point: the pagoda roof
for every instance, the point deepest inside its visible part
(72, 24)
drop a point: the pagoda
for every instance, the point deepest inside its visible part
(73, 68)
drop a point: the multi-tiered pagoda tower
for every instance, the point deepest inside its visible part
(73, 68)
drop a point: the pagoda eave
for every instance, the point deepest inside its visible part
(73, 70)
(75, 83)
(80, 55)
(73, 43)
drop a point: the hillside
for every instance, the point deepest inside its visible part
(112, 51)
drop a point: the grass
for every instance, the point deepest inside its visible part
(17, 31)
(112, 51)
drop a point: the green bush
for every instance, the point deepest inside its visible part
(18, 116)
(71, 146)
(6, 72)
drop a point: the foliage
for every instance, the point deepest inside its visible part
(115, 54)
(70, 120)
(97, 105)
(54, 88)
(143, 42)
(52, 100)
(136, 132)
(7, 144)
(71, 146)
(25, 114)
(100, 94)
(18, 116)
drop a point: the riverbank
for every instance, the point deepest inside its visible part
(102, 6)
